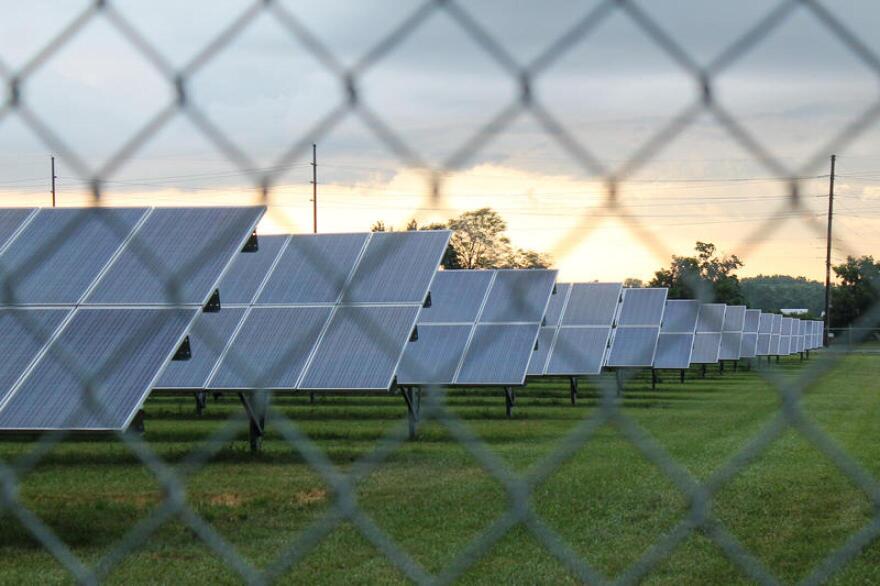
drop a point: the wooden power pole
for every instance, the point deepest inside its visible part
(828, 253)
(314, 189)
(52, 159)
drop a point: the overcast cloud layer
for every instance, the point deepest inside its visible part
(612, 92)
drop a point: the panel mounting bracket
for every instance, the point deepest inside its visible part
(184, 352)
(252, 244)
(213, 304)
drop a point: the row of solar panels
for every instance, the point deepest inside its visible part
(95, 302)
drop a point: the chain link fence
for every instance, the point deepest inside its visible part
(518, 486)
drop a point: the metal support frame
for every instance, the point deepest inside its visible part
(618, 379)
(720, 367)
(681, 375)
(201, 402)
(509, 400)
(735, 365)
(256, 407)
(703, 370)
(137, 424)
(573, 389)
(777, 360)
(413, 399)
(653, 379)
(802, 356)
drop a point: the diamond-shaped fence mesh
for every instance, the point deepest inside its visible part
(519, 486)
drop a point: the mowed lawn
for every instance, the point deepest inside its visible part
(790, 506)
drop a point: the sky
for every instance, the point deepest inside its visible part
(436, 89)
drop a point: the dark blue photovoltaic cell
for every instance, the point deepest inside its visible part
(674, 350)
(498, 355)
(361, 348)
(592, 304)
(271, 348)
(707, 346)
(519, 296)
(539, 357)
(397, 267)
(434, 357)
(190, 246)
(642, 307)
(633, 346)
(456, 296)
(680, 316)
(22, 333)
(554, 308)
(10, 220)
(314, 268)
(208, 337)
(57, 256)
(711, 318)
(248, 269)
(126, 349)
(579, 351)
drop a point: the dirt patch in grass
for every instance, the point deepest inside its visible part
(310, 497)
(226, 499)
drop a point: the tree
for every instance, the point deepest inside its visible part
(478, 242)
(770, 293)
(704, 276)
(378, 226)
(633, 283)
(857, 290)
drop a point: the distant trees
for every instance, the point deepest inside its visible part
(479, 242)
(704, 276)
(857, 290)
(770, 293)
(633, 283)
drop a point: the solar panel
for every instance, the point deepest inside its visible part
(247, 271)
(395, 267)
(62, 250)
(776, 326)
(785, 336)
(92, 366)
(765, 326)
(11, 221)
(707, 341)
(749, 347)
(634, 341)
(676, 341)
(207, 338)
(23, 333)
(118, 352)
(189, 245)
(313, 268)
(731, 334)
(308, 322)
(509, 306)
(579, 344)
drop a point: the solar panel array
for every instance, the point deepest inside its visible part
(707, 340)
(676, 341)
(775, 329)
(785, 336)
(481, 328)
(578, 324)
(97, 300)
(634, 339)
(314, 312)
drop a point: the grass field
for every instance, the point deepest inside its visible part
(790, 507)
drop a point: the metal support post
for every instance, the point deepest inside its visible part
(509, 400)
(681, 376)
(256, 408)
(413, 399)
(653, 379)
(703, 371)
(201, 402)
(573, 385)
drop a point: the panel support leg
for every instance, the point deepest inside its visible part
(735, 365)
(509, 400)
(681, 376)
(413, 399)
(311, 397)
(703, 370)
(653, 380)
(618, 379)
(201, 402)
(137, 424)
(720, 367)
(573, 386)
(256, 406)
(777, 360)
(802, 356)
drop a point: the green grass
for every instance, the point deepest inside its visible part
(790, 507)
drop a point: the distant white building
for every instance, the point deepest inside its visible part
(794, 311)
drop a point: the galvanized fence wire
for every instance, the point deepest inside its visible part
(518, 486)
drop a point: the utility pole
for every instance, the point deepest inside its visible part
(54, 177)
(828, 253)
(314, 189)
